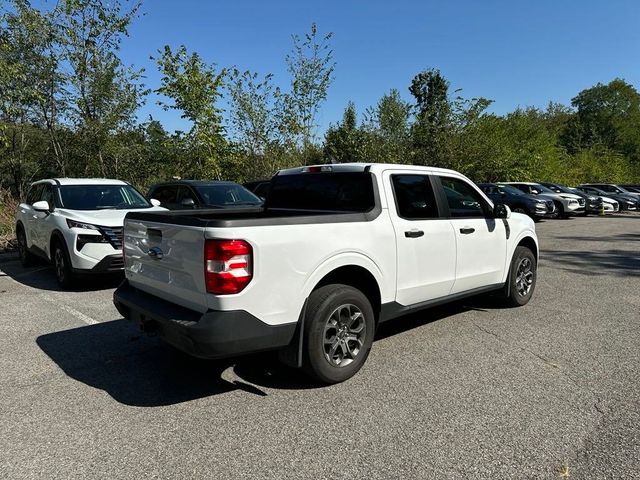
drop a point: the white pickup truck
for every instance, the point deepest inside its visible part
(334, 251)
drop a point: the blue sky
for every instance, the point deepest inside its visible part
(517, 53)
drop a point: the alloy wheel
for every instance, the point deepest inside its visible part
(344, 333)
(59, 262)
(524, 277)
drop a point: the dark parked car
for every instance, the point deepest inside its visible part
(187, 194)
(593, 202)
(518, 201)
(631, 188)
(626, 202)
(611, 188)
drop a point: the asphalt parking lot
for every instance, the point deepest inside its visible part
(464, 391)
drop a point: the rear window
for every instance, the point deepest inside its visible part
(339, 191)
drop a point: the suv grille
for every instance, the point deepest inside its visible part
(581, 202)
(113, 235)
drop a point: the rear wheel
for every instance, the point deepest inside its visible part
(62, 265)
(519, 209)
(339, 330)
(26, 258)
(522, 277)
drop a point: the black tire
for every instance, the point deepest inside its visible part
(26, 258)
(520, 209)
(513, 294)
(560, 209)
(62, 264)
(318, 361)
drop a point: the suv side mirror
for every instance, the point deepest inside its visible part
(41, 206)
(500, 210)
(188, 203)
(155, 203)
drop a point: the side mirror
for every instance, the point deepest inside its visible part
(41, 206)
(500, 210)
(154, 202)
(188, 203)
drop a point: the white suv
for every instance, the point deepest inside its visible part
(76, 224)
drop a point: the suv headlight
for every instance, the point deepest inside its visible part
(75, 224)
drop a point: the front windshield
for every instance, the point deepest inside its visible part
(510, 189)
(560, 189)
(101, 197)
(543, 189)
(227, 194)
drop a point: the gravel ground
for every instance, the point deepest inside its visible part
(465, 391)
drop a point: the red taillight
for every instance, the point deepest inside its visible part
(228, 266)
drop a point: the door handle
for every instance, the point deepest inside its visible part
(413, 233)
(467, 230)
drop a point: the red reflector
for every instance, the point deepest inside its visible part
(228, 266)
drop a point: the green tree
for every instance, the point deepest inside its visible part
(342, 142)
(103, 93)
(606, 115)
(311, 66)
(194, 88)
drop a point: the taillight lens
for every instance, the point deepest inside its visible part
(228, 266)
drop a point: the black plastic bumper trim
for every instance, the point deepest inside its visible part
(214, 334)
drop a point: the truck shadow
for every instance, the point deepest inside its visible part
(41, 276)
(138, 370)
(143, 371)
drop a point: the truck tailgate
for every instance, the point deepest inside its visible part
(166, 261)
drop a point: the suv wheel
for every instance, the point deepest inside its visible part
(26, 258)
(339, 330)
(62, 265)
(522, 277)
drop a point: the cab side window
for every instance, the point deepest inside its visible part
(35, 192)
(414, 197)
(47, 195)
(463, 199)
(166, 195)
(185, 193)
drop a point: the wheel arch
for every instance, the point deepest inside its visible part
(56, 236)
(357, 277)
(530, 243)
(355, 270)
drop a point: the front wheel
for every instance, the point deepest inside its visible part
(26, 257)
(339, 329)
(519, 209)
(62, 265)
(522, 277)
(560, 210)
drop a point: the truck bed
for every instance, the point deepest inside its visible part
(246, 217)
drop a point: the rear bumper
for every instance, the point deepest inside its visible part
(214, 334)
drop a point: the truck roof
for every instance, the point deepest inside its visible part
(361, 167)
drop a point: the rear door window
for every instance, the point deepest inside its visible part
(414, 197)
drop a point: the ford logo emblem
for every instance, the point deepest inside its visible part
(156, 253)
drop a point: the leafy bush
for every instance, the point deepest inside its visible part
(8, 206)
